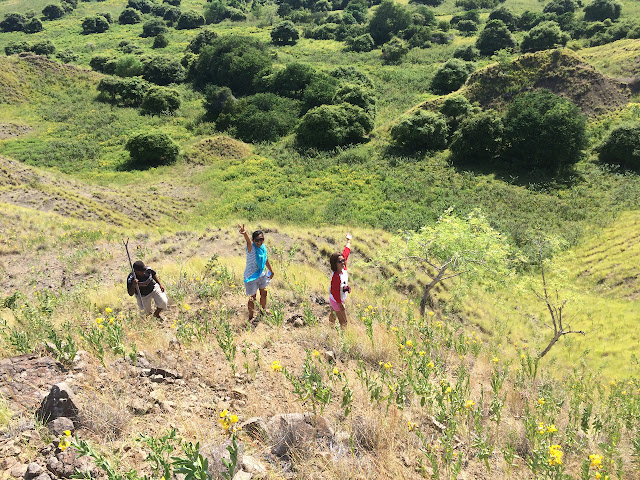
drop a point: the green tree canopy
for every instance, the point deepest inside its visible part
(388, 20)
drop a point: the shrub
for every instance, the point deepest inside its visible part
(175, 3)
(216, 11)
(468, 53)
(233, 61)
(158, 10)
(421, 130)
(163, 71)
(320, 91)
(52, 12)
(189, 20)
(362, 43)
(600, 10)
(128, 66)
(560, 7)
(622, 147)
(203, 38)
(544, 36)
(160, 100)
(508, 18)
(467, 27)
(353, 75)
(129, 16)
(450, 76)
(107, 16)
(263, 117)
(161, 41)
(124, 91)
(389, 19)
(330, 126)
(69, 5)
(357, 95)
(394, 51)
(358, 10)
(153, 27)
(528, 20)
(285, 33)
(495, 36)
(292, 80)
(431, 3)
(151, 149)
(218, 100)
(478, 138)
(172, 15)
(67, 56)
(98, 62)
(43, 48)
(33, 25)
(94, 24)
(143, 6)
(543, 131)
(13, 48)
(236, 15)
(455, 109)
(13, 22)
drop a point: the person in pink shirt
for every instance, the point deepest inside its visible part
(339, 284)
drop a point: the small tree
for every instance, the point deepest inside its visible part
(455, 109)
(13, 22)
(151, 149)
(143, 6)
(600, 10)
(465, 248)
(218, 100)
(421, 130)
(389, 19)
(203, 38)
(161, 41)
(507, 17)
(129, 16)
(189, 20)
(13, 48)
(172, 15)
(216, 11)
(33, 25)
(128, 66)
(561, 7)
(544, 36)
(292, 80)
(362, 43)
(479, 138)
(394, 51)
(160, 100)
(495, 36)
(468, 53)
(52, 12)
(43, 48)
(95, 24)
(622, 147)
(285, 33)
(330, 126)
(153, 27)
(163, 71)
(451, 76)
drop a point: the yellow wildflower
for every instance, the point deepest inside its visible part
(275, 366)
(469, 404)
(541, 401)
(186, 307)
(595, 461)
(541, 428)
(409, 344)
(551, 429)
(315, 353)
(555, 455)
(388, 366)
(99, 320)
(412, 426)
(394, 329)
(448, 389)
(431, 314)
(108, 310)
(422, 353)
(336, 372)
(495, 359)
(430, 364)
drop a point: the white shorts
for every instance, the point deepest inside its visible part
(259, 283)
(158, 296)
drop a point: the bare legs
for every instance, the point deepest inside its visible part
(342, 317)
(252, 303)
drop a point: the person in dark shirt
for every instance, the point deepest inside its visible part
(150, 287)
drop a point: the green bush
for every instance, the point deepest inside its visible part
(13, 22)
(153, 27)
(330, 126)
(622, 147)
(128, 66)
(203, 38)
(285, 33)
(544, 36)
(151, 149)
(455, 109)
(543, 131)
(421, 130)
(357, 95)
(232, 61)
(507, 17)
(321, 90)
(394, 51)
(143, 6)
(467, 27)
(189, 20)
(172, 15)
(361, 43)
(94, 24)
(495, 36)
(388, 20)
(129, 16)
(160, 100)
(451, 76)
(263, 117)
(218, 100)
(13, 48)
(163, 71)
(479, 138)
(560, 7)
(33, 25)
(161, 41)
(52, 12)
(43, 48)
(215, 12)
(292, 80)
(600, 10)
(468, 53)
(123, 91)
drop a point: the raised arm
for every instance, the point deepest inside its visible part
(243, 232)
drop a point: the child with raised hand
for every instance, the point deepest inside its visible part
(339, 284)
(256, 277)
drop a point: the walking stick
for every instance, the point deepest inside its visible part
(126, 247)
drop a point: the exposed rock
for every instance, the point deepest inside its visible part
(61, 402)
(139, 406)
(256, 427)
(241, 475)
(60, 424)
(18, 470)
(43, 476)
(23, 378)
(239, 394)
(33, 470)
(298, 323)
(215, 454)
(65, 464)
(330, 356)
(254, 466)
(295, 430)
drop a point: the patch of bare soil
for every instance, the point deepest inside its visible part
(560, 71)
(12, 130)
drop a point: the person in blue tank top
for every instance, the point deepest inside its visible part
(256, 276)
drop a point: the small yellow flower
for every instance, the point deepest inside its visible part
(186, 307)
(551, 429)
(431, 314)
(448, 389)
(111, 320)
(108, 310)
(522, 355)
(409, 344)
(422, 353)
(541, 401)
(541, 428)
(388, 366)
(394, 329)
(595, 461)
(430, 364)
(495, 359)
(275, 366)
(336, 372)
(469, 404)
(99, 320)
(412, 426)
(555, 455)
(598, 475)
(439, 324)
(67, 433)
(315, 353)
